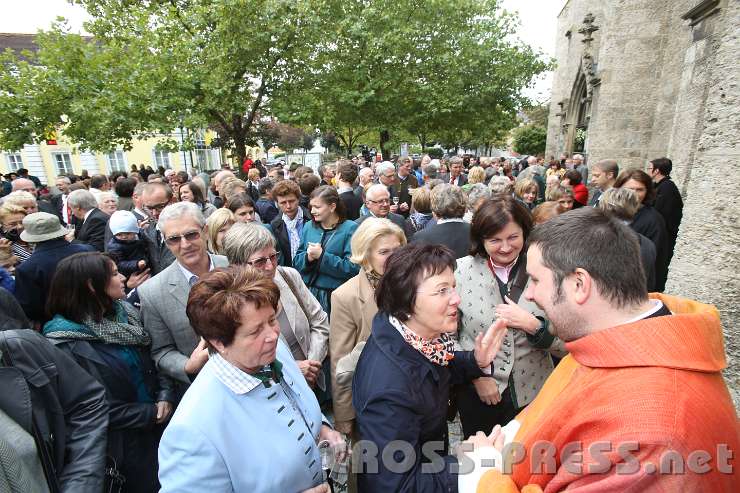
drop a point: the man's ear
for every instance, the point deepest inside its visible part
(582, 285)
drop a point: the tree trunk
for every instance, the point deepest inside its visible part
(385, 137)
(240, 147)
(423, 142)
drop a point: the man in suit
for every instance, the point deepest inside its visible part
(33, 277)
(155, 197)
(138, 199)
(378, 204)
(346, 176)
(288, 225)
(669, 203)
(91, 221)
(366, 176)
(603, 176)
(176, 349)
(456, 176)
(448, 207)
(59, 201)
(26, 185)
(405, 181)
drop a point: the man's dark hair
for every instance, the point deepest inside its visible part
(493, 216)
(22, 172)
(125, 187)
(265, 186)
(405, 270)
(606, 248)
(97, 181)
(308, 183)
(77, 289)
(663, 165)
(347, 172)
(574, 177)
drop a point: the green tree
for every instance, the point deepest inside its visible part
(156, 65)
(530, 139)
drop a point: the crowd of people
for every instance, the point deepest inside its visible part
(292, 329)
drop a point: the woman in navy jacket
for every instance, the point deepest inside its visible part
(402, 380)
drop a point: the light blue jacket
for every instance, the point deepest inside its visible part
(256, 442)
(335, 268)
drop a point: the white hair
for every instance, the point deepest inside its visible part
(178, 210)
(83, 199)
(374, 189)
(385, 166)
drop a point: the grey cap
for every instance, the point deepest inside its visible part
(41, 226)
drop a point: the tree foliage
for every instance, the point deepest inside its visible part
(530, 139)
(438, 70)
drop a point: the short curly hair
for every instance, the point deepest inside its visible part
(216, 300)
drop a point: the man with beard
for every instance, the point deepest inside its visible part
(641, 390)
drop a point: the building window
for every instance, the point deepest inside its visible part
(116, 161)
(63, 162)
(161, 158)
(15, 162)
(204, 159)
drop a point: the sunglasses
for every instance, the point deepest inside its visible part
(262, 261)
(175, 240)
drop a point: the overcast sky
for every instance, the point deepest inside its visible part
(538, 23)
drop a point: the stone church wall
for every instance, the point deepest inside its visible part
(667, 88)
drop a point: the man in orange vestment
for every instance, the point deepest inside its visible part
(639, 404)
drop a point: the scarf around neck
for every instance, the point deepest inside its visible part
(117, 329)
(373, 278)
(293, 226)
(439, 350)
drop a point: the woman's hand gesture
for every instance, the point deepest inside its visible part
(517, 317)
(486, 346)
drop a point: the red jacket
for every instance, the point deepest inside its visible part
(247, 165)
(580, 193)
(656, 382)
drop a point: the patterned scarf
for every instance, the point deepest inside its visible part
(123, 328)
(294, 234)
(439, 351)
(373, 278)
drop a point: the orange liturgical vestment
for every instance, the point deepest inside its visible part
(640, 407)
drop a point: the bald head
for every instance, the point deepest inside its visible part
(25, 185)
(220, 177)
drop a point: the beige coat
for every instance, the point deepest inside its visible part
(312, 334)
(527, 365)
(352, 310)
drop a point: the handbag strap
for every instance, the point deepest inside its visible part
(294, 289)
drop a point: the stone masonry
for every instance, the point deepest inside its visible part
(652, 78)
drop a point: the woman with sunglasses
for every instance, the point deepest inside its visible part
(304, 325)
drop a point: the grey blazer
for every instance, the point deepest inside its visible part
(312, 334)
(527, 365)
(163, 301)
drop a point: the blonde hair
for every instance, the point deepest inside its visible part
(544, 212)
(9, 209)
(522, 186)
(253, 174)
(365, 235)
(557, 192)
(620, 202)
(476, 175)
(18, 197)
(421, 200)
(217, 220)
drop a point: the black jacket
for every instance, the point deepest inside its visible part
(352, 204)
(398, 394)
(400, 189)
(267, 210)
(454, 235)
(159, 254)
(648, 222)
(67, 405)
(92, 231)
(669, 204)
(127, 255)
(133, 436)
(396, 219)
(46, 206)
(33, 277)
(281, 235)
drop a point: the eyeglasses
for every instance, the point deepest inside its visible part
(262, 261)
(175, 240)
(156, 207)
(381, 201)
(443, 292)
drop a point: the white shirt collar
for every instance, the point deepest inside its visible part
(451, 220)
(188, 275)
(87, 214)
(658, 305)
(238, 381)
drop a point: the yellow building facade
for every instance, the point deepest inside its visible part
(49, 161)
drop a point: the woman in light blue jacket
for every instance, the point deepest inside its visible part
(323, 257)
(249, 422)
